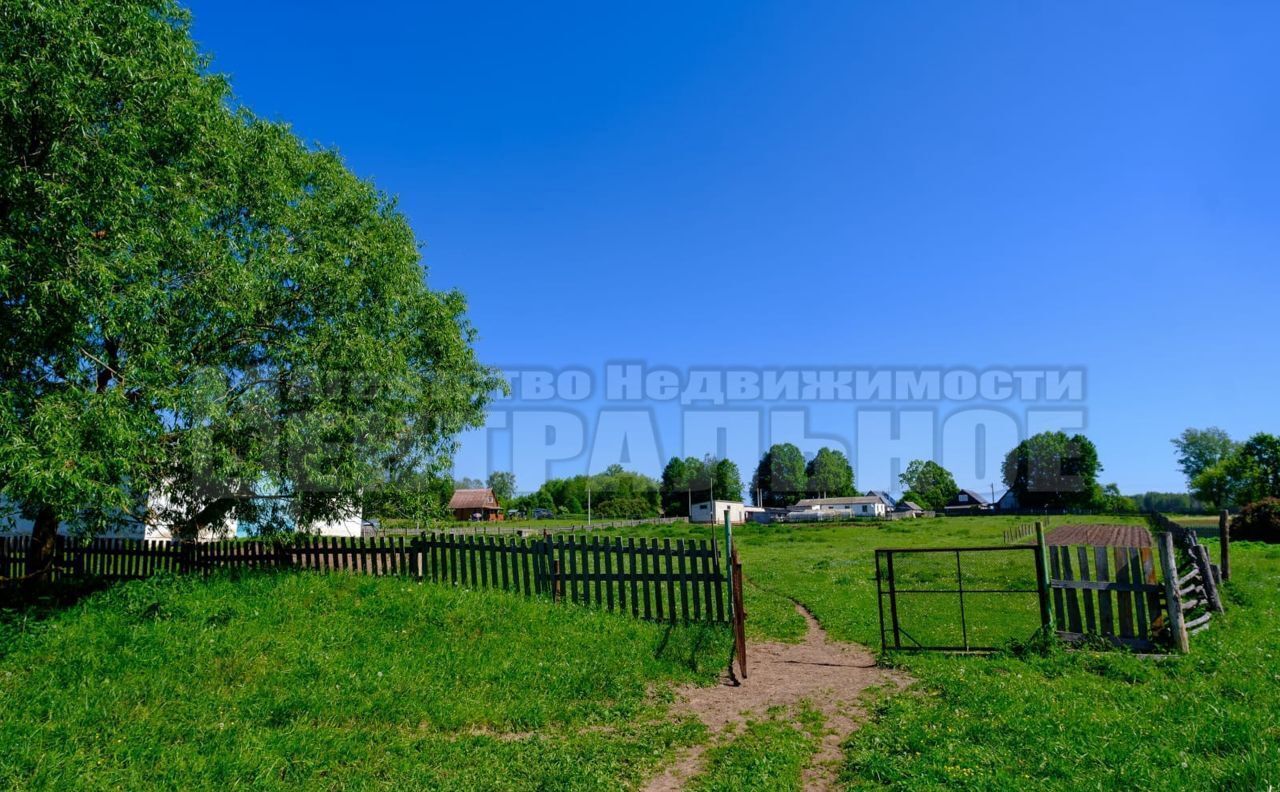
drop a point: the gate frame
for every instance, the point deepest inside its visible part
(1041, 590)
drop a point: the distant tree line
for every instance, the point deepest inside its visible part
(1048, 471)
(613, 494)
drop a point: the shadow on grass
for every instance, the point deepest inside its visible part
(693, 642)
(23, 607)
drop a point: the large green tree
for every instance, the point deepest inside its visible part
(1200, 449)
(780, 478)
(829, 475)
(194, 303)
(928, 484)
(1248, 473)
(1051, 470)
(1256, 469)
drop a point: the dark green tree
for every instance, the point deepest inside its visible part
(928, 484)
(780, 478)
(1255, 469)
(193, 303)
(1053, 471)
(727, 478)
(829, 475)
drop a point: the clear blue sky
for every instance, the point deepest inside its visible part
(823, 184)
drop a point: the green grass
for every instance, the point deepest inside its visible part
(768, 755)
(300, 681)
(1021, 719)
(272, 682)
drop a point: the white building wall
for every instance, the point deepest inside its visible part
(713, 511)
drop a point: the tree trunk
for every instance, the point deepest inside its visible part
(44, 542)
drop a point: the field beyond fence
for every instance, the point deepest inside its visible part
(658, 580)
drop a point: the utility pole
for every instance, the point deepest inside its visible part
(588, 504)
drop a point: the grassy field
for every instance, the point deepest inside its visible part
(296, 681)
(1054, 720)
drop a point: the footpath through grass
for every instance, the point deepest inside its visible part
(307, 681)
(1023, 719)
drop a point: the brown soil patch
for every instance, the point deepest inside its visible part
(831, 676)
(1100, 535)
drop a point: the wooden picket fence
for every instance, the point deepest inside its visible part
(1111, 592)
(653, 579)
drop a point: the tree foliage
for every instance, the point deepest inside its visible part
(1053, 471)
(697, 480)
(192, 301)
(928, 484)
(1200, 449)
(1250, 472)
(830, 475)
(780, 478)
(503, 484)
(636, 495)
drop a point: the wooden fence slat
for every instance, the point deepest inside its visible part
(1124, 599)
(1059, 598)
(1073, 603)
(684, 580)
(671, 581)
(1140, 602)
(1106, 621)
(1090, 623)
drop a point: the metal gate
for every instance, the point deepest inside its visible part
(938, 597)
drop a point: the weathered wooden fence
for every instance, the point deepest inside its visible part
(1091, 582)
(652, 579)
(1195, 585)
(1110, 592)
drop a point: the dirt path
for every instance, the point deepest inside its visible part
(830, 675)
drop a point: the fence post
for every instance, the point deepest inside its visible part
(1200, 555)
(739, 614)
(1042, 578)
(728, 542)
(1224, 539)
(1173, 600)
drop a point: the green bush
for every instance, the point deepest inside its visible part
(1258, 522)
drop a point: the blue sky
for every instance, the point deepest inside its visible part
(992, 185)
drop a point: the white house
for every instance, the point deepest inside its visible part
(347, 523)
(834, 508)
(713, 512)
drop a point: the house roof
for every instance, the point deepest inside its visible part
(883, 496)
(858, 499)
(909, 506)
(972, 496)
(473, 499)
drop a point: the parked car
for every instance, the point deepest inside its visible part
(543, 514)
